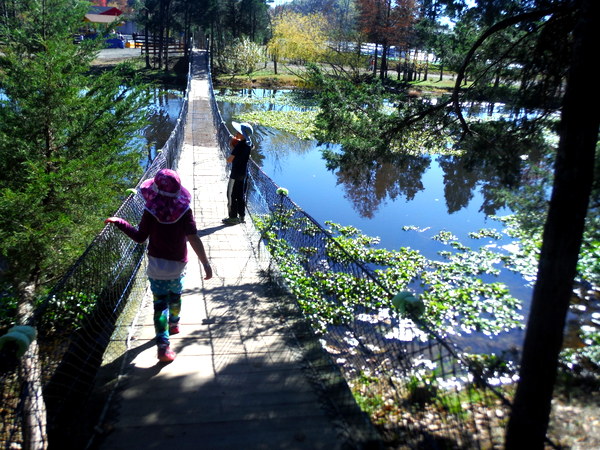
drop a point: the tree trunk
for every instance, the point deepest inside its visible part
(375, 60)
(409, 67)
(187, 31)
(158, 46)
(146, 39)
(167, 33)
(30, 372)
(383, 68)
(562, 240)
(211, 46)
(34, 408)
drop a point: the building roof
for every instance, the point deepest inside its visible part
(105, 10)
(101, 18)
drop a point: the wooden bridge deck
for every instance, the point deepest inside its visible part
(246, 377)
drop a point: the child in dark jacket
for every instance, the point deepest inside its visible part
(241, 146)
(168, 224)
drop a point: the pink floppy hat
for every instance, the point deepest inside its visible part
(166, 199)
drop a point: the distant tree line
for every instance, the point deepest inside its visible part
(215, 22)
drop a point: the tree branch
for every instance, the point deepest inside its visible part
(503, 24)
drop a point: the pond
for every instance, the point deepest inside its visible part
(428, 194)
(164, 111)
(379, 203)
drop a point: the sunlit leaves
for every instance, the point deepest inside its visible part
(66, 147)
(241, 56)
(466, 304)
(294, 116)
(587, 358)
(522, 255)
(300, 123)
(300, 118)
(457, 300)
(298, 37)
(485, 233)
(251, 100)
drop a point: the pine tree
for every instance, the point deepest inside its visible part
(65, 141)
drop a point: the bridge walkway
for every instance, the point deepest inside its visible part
(244, 377)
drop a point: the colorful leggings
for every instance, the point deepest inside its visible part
(167, 306)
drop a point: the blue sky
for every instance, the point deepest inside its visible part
(279, 2)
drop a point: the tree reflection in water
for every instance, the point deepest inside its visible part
(458, 193)
(162, 117)
(367, 185)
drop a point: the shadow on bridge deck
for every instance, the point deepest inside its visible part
(248, 375)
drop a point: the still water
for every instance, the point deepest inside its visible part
(432, 193)
(381, 202)
(163, 113)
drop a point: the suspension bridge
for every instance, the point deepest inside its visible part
(241, 379)
(250, 371)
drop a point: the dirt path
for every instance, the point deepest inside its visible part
(115, 55)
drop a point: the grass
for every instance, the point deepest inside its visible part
(176, 76)
(264, 77)
(287, 77)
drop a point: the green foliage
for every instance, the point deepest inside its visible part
(490, 367)
(300, 123)
(529, 203)
(371, 123)
(251, 100)
(241, 56)
(65, 140)
(529, 157)
(523, 254)
(67, 310)
(454, 295)
(292, 120)
(8, 310)
(363, 393)
(588, 265)
(584, 360)
(485, 233)
(298, 37)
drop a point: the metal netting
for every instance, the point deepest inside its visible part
(47, 396)
(415, 383)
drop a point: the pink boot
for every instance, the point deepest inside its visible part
(165, 354)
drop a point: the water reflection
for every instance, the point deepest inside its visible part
(163, 113)
(459, 193)
(431, 193)
(478, 176)
(368, 185)
(377, 197)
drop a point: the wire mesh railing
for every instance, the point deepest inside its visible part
(421, 389)
(415, 384)
(81, 324)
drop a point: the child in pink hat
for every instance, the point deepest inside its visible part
(168, 224)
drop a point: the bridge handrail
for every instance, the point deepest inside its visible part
(75, 323)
